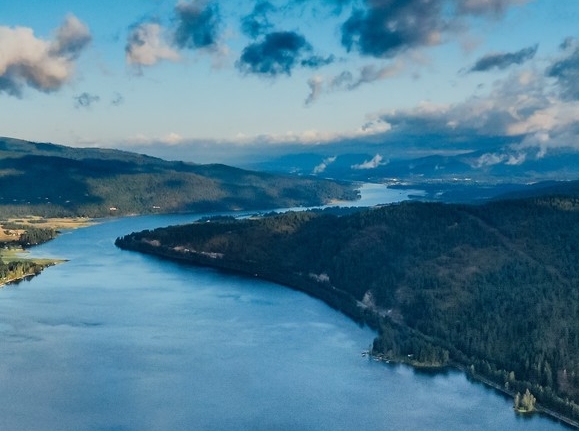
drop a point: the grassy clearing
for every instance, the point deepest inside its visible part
(18, 254)
(53, 223)
(12, 254)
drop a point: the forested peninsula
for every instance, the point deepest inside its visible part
(492, 289)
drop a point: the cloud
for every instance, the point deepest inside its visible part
(146, 47)
(316, 85)
(85, 100)
(118, 99)
(198, 25)
(566, 70)
(257, 22)
(510, 104)
(376, 161)
(503, 60)
(486, 7)
(71, 38)
(279, 53)
(346, 81)
(43, 65)
(385, 28)
(322, 166)
(521, 112)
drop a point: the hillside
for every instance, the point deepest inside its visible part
(53, 181)
(491, 288)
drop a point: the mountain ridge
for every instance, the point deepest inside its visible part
(55, 180)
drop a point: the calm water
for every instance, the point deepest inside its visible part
(118, 341)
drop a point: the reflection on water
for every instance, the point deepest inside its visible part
(115, 340)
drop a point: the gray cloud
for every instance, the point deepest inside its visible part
(118, 99)
(566, 70)
(346, 81)
(71, 38)
(279, 53)
(43, 65)
(504, 60)
(486, 7)
(85, 100)
(198, 25)
(257, 22)
(385, 28)
(316, 85)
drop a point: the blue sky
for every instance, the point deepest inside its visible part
(209, 81)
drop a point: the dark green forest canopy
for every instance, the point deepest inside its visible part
(493, 288)
(55, 181)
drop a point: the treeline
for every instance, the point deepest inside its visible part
(492, 288)
(31, 235)
(18, 269)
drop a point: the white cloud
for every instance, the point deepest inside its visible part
(322, 166)
(376, 161)
(26, 60)
(146, 46)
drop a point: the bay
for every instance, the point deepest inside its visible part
(118, 341)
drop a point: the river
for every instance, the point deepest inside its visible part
(118, 341)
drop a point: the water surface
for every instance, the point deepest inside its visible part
(116, 340)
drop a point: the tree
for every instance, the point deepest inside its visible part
(526, 403)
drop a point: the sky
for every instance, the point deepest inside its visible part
(220, 80)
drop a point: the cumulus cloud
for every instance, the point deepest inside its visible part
(198, 25)
(146, 46)
(257, 22)
(279, 53)
(376, 161)
(43, 65)
(71, 38)
(521, 111)
(85, 100)
(504, 60)
(510, 104)
(386, 28)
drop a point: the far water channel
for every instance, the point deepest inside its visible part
(118, 341)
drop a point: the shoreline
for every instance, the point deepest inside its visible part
(12, 280)
(200, 260)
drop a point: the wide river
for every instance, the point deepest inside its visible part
(118, 341)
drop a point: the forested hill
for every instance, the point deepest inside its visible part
(493, 288)
(53, 180)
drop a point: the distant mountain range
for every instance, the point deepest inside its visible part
(465, 177)
(54, 180)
